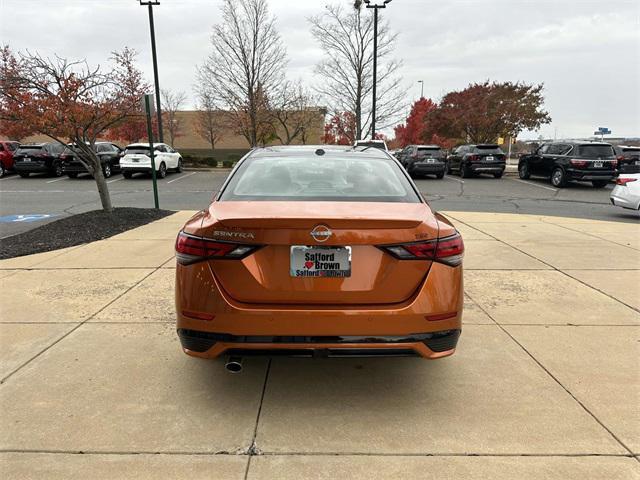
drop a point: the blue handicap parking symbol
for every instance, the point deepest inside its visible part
(32, 217)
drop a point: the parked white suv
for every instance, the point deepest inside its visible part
(136, 159)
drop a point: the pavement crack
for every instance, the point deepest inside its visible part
(253, 449)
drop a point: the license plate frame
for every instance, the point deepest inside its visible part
(26, 159)
(598, 164)
(488, 158)
(334, 261)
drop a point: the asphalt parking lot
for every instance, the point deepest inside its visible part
(192, 190)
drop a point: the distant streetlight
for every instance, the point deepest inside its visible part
(421, 82)
(376, 7)
(150, 4)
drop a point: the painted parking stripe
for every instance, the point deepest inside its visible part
(115, 180)
(448, 177)
(58, 179)
(536, 185)
(183, 176)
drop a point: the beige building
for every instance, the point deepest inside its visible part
(190, 141)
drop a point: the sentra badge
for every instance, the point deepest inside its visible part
(234, 235)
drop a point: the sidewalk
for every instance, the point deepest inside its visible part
(544, 384)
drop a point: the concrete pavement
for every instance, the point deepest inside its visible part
(545, 382)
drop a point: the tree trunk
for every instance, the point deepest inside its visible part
(103, 190)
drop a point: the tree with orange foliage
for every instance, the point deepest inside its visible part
(412, 131)
(69, 102)
(341, 129)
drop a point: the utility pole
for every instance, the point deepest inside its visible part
(150, 4)
(421, 82)
(375, 7)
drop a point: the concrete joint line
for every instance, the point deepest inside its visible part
(76, 327)
(253, 448)
(555, 379)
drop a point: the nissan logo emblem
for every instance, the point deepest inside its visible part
(321, 233)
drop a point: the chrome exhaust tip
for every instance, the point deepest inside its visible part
(233, 365)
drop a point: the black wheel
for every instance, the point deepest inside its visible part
(106, 170)
(24, 174)
(179, 167)
(162, 170)
(57, 171)
(465, 171)
(72, 174)
(523, 171)
(449, 168)
(558, 178)
(599, 183)
(127, 174)
(440, 175)
(2, 171)
(497, 175)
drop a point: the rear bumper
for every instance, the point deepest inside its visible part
(582, 175)
(125, 169)
(412, 327)
(621, 197)
(426, 168)
(480, 167)
(429, 345)
(32, 167)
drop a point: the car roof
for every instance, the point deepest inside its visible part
(40, 144)
(426, 146)
(143, 144)
(310, 150)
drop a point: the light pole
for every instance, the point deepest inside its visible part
(150, 4)
(376, 7)
(421, 82)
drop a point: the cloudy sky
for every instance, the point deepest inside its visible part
(586, 52)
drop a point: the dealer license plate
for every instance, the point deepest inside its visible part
(320, 261)
(597, 164)
(26, 159)
(488, 159)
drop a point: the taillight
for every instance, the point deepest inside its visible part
(579, 163)
(624, 181)
(191, 249)
(447, 250)
(614, 163)
(620, 158)
(473, 158)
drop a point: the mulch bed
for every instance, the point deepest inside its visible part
(77, 229)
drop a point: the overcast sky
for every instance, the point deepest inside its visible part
(586, 52)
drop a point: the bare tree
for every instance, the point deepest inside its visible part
(209, 120)
(346, 38)
(171, 104)
(245, 65)
(292, 112)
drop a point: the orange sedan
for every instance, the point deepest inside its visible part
(318, 252)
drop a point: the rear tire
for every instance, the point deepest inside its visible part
(465, 171)
(523, 171)
(127, 175)
(440, 175)
(599, 183)
(558, 178)
(2, 170)
(449, 171)
(162, 170)
(57, 171)
(179, 167)
(24, 174)
(106, 170)
(497, 175)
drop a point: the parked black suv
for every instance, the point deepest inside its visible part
(423, 160)
(562, 162)
(469, 160)
(39, 158)
(109, 154)
(628, 159)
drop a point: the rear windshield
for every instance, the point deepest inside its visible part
(30, 148)
(488, 149)
(320, 179)
(141, 150)
(379, 145)
(631, 149)
(596, 151)
(430, 152)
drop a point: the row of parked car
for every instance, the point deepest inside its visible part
(560, 162)
(56, 160)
